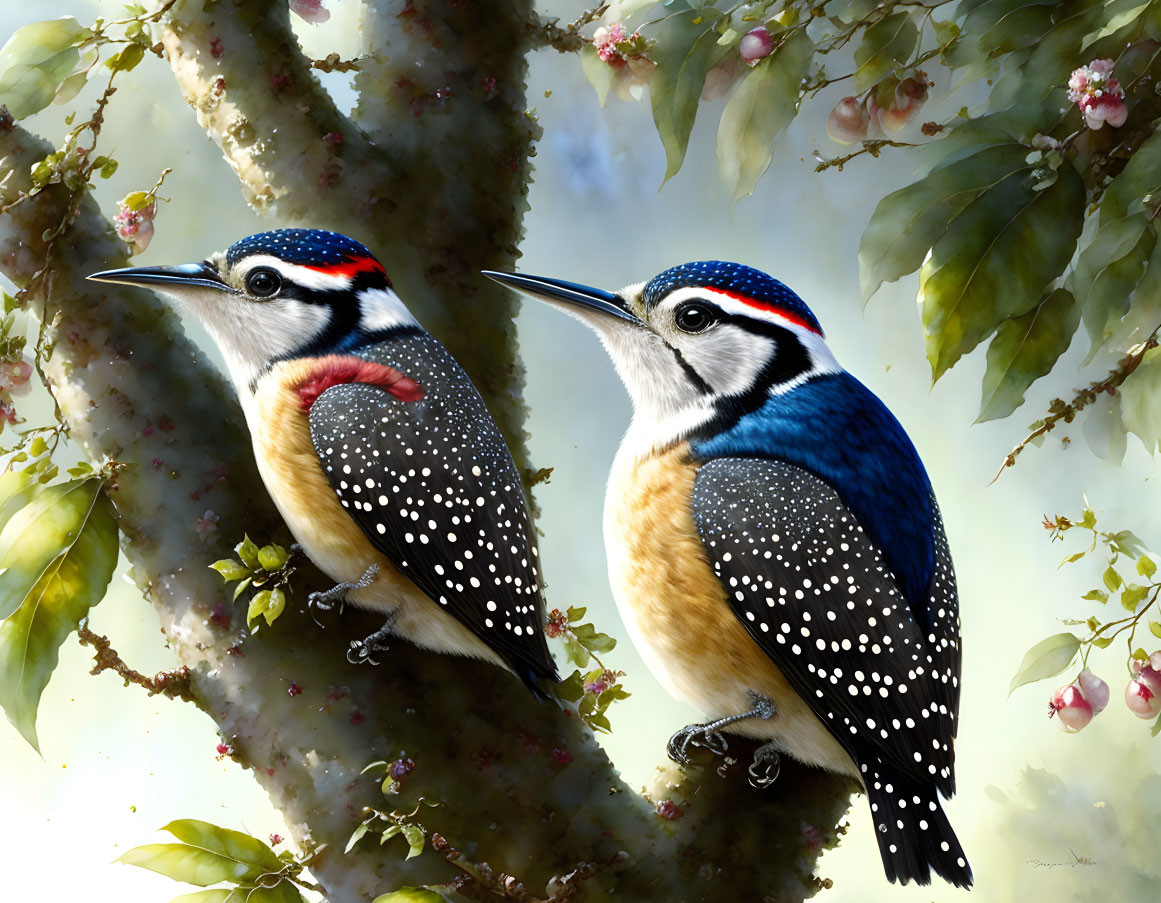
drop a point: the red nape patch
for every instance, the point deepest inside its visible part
(351, 267)
(762, 305)
(338, 370)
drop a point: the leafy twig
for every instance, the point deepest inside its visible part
(1060, 410)
(873, 147)
(566, 39)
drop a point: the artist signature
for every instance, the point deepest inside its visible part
(1076, 861)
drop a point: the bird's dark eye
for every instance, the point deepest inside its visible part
(694, 318)
(263, 282)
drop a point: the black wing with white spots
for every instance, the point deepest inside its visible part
(433, 486)
(819, 599)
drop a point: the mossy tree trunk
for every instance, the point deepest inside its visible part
(431, 172)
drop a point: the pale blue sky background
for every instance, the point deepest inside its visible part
(117, 764)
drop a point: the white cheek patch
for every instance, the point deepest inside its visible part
(728, 358)
(381, 309)
(314, 280)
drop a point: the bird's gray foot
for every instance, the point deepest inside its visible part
(766, 767)
(709, 736)
(363, 651)
(327, 600)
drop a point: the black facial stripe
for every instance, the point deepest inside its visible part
(791, 359)
(694, 377)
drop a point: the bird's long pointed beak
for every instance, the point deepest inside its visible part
(583, 296)
(203, 275)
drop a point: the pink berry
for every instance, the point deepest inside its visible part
(756, 45)
(848, 121)
(1095, 690)
(1142, 700)
(1072, 710)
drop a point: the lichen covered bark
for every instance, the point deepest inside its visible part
(520, 785)
(431, 175)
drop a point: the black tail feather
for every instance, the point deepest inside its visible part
(915, 837)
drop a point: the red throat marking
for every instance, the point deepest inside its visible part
(338, 370)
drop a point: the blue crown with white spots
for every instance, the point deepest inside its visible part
(303, 247)
(740, 281)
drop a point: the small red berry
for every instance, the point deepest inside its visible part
(756, 45)
(275, 839)
(848, 121)
(561, 756)
(294, 689)
(1072, 710)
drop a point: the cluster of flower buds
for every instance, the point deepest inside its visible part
(1100, 96)
(887, 107)
(1075, 704)
(628, 55)
(134, 221)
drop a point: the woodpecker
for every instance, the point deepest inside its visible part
(775, 547)
(377, 449)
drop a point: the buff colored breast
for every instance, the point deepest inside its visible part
(328, 535)
(677, 614)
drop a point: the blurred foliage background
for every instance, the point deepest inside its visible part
(1038, 811)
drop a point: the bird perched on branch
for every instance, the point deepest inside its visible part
(375, 446)
(775, 547)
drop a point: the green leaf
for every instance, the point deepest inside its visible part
(192, 865)
(248, 552)
(599, 73)
(241, 588)
(58, 558)
(415, 838)
(282, 892)
(1146, 567)
(687, 48)
(575, 613)
(571, 688)
(231, 569)
(1049, 62)
(1108, 270)
(234, 845)
(887, 45)
(1155, 628)
(1156, 729)
(600, 643)
(275, 606)
(259, 602)
(1046, 658)
(576, 653)
(34, 62)
(357, 835)
(1140, 178)
(410, 895)
(995, 260)
(759, 110)
(1103, 642)
(1024, 349)
(127, 59)
(1112, 579)
(1096, 595)
(1133, 596)
(1140, 411)
(217, 895)
(272, 557)
(906, 223)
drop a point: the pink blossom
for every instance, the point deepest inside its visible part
(1099, 96)
(275, 839)
(8, 413)
(310, 11)
(207, 523)
(135, 227)
(614, 46)
(596, 687)
(14, 377)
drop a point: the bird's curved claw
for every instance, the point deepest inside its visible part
(361, 652)
(337, 595)
(705, 736)
(765, 767)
